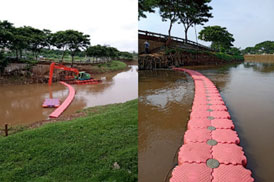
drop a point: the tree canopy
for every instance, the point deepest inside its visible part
(188, 13)
(219, 36)
(195, 12)
(99, 51)
(106, 52)
(6, 29)
(146, 6)
(29, 42)
(168, 12)
(265, 47)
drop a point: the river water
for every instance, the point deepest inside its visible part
(22, 104)
(165, 98)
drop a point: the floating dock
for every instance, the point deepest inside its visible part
(210, 152)
(57, 112)
(51, 103)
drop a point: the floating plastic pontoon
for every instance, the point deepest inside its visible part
(210, 152)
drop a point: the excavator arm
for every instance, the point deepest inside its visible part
(61, 67)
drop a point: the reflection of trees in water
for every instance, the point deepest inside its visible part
(108, 82)
(161, 87)
(111, 75)
(98, 88)
(260, 67)
(107, 91)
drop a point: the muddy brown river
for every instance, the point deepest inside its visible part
(22, 104)
(165, 98)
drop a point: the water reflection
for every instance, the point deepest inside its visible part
(260, 67)
(248, 93)
(165, 98)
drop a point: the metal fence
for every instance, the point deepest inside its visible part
(184, 41)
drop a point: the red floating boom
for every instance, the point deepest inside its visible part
(57, 112)
(210, 152)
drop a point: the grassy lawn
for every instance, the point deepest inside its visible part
(107, 67)
(113, 65)
(83, 149)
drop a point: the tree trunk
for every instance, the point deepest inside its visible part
(170, 27)
(63, 56)
(72, 59)
(16, 52)
(20, 54)
(186, 34)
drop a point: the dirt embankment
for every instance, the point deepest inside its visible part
(23, 73)
(162, 60)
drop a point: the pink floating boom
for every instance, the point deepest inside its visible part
(57, 112)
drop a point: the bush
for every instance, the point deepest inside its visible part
(3, 62)
(228, 57)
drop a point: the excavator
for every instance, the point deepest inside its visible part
(79, 78)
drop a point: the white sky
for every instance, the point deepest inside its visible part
(250, 21)
(110, 22)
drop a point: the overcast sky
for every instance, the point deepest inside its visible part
(250, 21)
(110, 22)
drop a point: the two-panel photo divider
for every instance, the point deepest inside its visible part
(136, 91)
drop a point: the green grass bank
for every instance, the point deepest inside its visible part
(100, 146)
(110, 66)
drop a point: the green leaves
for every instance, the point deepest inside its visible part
(146, 6)
(99, 51)
(219, 36)
(71, 40)
(102, 51)
(6, 35)
(193, 13)
(266, 47)
(184, 12)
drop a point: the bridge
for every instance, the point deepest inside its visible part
(159, 41)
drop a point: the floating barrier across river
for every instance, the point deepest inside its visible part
(57, 112)
(210, 152)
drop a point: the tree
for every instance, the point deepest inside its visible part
(20, 41)
(265, 47)
(219, 36)
(235, 51)
(95, 51)
(38, 39)
(70, 40)
(6, 35)
(99, 51)
(59, 40)
(194, 12)
(76, 41)
(168, 11)
(126, 55)
(146, 6)
(249, 50)
(112, 52)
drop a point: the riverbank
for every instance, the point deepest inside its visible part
(26, 73)
(185, 57)
(101, 145)
(259, 58)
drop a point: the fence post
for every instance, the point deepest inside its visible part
(6, 130)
